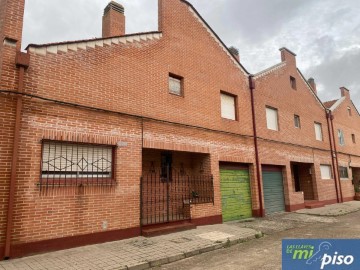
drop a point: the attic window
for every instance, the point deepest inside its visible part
(349, 111)
(293, 82)
(175, 85)
(353, 138)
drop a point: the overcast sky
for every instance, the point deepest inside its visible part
(325, 34)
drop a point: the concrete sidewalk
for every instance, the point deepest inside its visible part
(137, 253)
(144, 253)
(333, 210)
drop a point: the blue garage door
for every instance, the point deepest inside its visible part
(273, 189)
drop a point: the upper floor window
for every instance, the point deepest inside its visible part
(349, 111)
(318, 131)
(344, 174)
(325, 172)
(341, 137)
(293, 82)
(297, 121)
(228, 106)
(353, 138)
(272, 120)
(64, 161)
(175, 85)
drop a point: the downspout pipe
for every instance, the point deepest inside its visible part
(333, 154)
(22, 61)
(336, 156)
(258, 167)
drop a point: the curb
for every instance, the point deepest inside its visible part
(181, 256)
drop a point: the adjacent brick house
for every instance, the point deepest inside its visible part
(346, 129)
(106, 138)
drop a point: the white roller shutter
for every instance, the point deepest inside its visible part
(272, 118)
(228, 110)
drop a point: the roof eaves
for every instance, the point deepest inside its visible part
(269, 70)
(337, 104)
(310, 88)
(217, 37)
(87, 40)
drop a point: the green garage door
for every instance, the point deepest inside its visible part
(235, 193)
(273, 190)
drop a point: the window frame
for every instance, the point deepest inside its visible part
(341, 170)
(277, 118)
(181, 80)
(293, 83)
(341, 137)
(299, 121)
(236, 111)
(330, 170)
(353, 138)
(77, 181)
(321, 131)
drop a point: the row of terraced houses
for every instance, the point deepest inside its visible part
(113, 137)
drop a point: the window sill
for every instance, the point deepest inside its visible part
(228, 119)
(177, 95)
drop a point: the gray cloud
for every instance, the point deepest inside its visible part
(324, 34)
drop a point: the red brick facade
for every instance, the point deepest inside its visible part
(114, 91)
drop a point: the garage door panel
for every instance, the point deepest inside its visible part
(235, 194)
(273, 191)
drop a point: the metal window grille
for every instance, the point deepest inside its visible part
(72, 164)
(344, 172)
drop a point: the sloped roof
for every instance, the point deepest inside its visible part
(329, 104)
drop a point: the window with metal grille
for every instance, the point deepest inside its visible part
(341, 137)
(73, 163)
(175, 85)
(344, 174)
(297, 121)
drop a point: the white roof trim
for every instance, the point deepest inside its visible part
(337, 104)
(269, 70)
(84, 45)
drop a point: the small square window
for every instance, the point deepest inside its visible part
(175, 85)
(297, 121)
(341, 137)
(293, 82)
(228, 106)
(326, 173)
(272, 118)
(318, 131)
(353, 138)
(344, 174)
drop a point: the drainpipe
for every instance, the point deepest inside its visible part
(258, 172)
(333, 154)
(22, 61)
(336, 156)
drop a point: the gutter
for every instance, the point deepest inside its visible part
(258, 167)
(333, 154)
(22, 61)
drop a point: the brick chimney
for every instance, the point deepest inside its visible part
(312, 83)
(288, 56)
(345, 92)
(113, 20)
(235, 52)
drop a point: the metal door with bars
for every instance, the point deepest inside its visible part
(166, 194)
